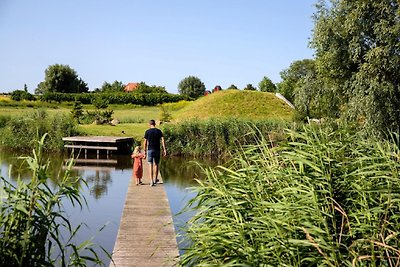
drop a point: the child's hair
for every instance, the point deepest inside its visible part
(137, 150)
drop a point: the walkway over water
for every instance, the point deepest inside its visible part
(146, 235)
(109, 144)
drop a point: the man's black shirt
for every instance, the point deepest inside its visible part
(153, 137)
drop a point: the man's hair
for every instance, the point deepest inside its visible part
(152, 122)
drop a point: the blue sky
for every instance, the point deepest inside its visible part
(160, 42)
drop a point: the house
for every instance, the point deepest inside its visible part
(131, 87)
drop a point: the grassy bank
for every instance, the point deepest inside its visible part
(321, 198)
(248, 105)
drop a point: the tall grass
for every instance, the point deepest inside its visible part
(218, 137)
(24, 131)
(35, 231)
(321, 198)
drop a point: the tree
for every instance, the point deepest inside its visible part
(250, 87)
(294, 76)
(144, 88)
(62, 79)
(116, 86)
(191, 86)
(358, 56)
(266, 85)
(233, 87)
(77, 111)
(19, 95)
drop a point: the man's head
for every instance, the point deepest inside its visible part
(152, 123)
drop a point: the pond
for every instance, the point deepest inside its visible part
(107, 184)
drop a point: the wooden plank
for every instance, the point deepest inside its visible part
(94, 161)
(146, 236)
(114, 148)
(97, 139)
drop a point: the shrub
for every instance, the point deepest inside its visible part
(321, 198)
(145, 99)
(19, 95)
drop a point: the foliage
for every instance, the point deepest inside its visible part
(100, 102)
(314, 99)
(63, 79)
(143, 88)
(165, 115)
(217, 137)
(98, 116)
(357, 54)
(293, 77)
(33, 222)
(251, 105)
(116, 86)
(191, 86)
(145, 99)
(77, 111)
(266, 85)
(232, 86)
(19, 95)
(250, 87)
(323, 198)
(24, 131)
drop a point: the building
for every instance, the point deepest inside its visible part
(131, 87)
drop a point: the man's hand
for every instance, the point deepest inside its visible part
(145, 153)
(165, 153)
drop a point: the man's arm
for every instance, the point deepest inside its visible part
(145, 148)
(164, 147)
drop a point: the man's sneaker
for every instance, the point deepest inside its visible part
(157, 181)
(152, 184)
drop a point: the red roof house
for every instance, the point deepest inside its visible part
(131, 87)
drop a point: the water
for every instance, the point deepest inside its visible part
(105, 194)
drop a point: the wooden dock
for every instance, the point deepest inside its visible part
(146, 235)
(108, 144)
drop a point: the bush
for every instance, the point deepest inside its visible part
(19, 95)
(321, 198)
(145, 99)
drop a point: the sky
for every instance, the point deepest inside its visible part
(159, 42)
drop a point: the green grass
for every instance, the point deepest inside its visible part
(237, 104)
(135, 130)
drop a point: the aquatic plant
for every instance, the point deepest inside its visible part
(321, 198)
(35, 231)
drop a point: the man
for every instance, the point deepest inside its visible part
(152, 139)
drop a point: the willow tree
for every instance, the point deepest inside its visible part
(357, 49)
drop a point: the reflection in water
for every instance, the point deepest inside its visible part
(98, 183)
(182, 172)
(107, 183)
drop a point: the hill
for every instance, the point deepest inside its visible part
(237, 104)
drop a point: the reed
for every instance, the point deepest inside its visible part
(35, 231)
(219, 137)
(321, 198)
(24, 131)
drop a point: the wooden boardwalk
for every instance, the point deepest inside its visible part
(146, 235)
(99, 143)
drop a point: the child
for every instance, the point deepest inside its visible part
(137, 156)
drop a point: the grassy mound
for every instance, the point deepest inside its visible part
(237, 104)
